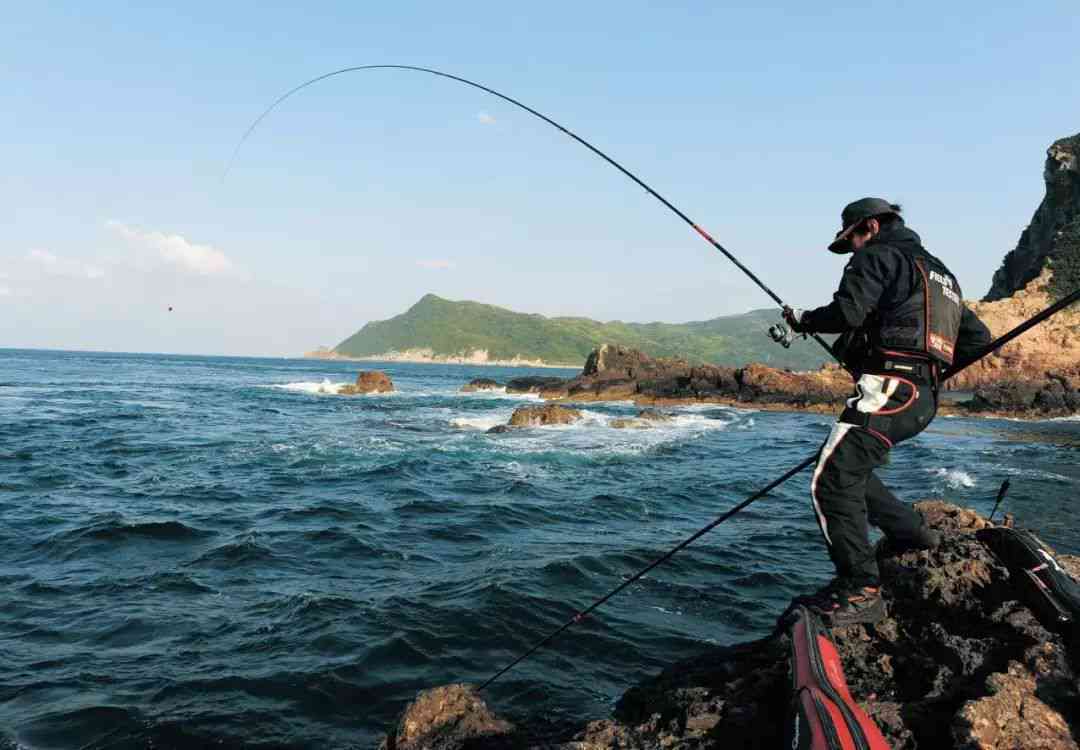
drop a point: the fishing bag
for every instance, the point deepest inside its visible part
(1038, 579)
(823, 715)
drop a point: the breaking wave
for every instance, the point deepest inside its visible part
(325, 388)
(954, 479)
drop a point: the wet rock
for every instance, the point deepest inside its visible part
(613, 362)
(481, 384)
(369, 381)
(606, 389)
(542, 416)
(767, 385)
(1056, 394)
(451, 717)
(499, 429)
(615, 373)
(535, 384)
(631, 424)
(1008, 395)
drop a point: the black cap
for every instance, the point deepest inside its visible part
(855, 214)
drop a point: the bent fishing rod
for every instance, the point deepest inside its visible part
(950, 372)
(415, 68)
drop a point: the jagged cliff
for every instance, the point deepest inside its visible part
(1053, 237)
(1045, 354)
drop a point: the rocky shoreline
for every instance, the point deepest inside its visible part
(958, 663)
(614, 373)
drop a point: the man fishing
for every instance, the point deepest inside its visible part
(900, 314)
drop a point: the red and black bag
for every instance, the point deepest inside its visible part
(823, 715)
(1039, 580)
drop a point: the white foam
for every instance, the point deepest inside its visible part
(325, 388)
(485, 422)
(954, 478)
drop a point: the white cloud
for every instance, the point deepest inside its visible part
(5, 291)
(435, 265)
(204, 260)
(485, 118)
(56, 266)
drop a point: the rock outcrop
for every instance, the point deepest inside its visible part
(1052, 346)
(1037, 376)
(616, 373)
(369, 381)
(1053, 237)
(533, 384)
(447, 717)
(543, 416)
(958, 663)
(481, 384)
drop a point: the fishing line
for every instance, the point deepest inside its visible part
(972, 359)
(704, 235)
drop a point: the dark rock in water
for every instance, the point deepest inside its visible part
(616, 373)
(1009, 395)
(499, 429)
(541, 416)
(481, 384)
(534, 384)
(604, 389)
(958, 662)
(446, 718)
(630, 424)
(369, 381)
(1055, 395)
(611, 362)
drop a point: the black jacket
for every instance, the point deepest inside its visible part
(878, 277)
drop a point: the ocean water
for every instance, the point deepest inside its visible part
(200, 550)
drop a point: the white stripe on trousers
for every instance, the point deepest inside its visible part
(872, 397)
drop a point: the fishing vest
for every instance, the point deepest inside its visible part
(928, 322)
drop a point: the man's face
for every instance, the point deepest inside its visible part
(864, 233)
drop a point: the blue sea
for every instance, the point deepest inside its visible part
(203, 550)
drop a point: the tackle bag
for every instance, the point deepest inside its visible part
(823, 715)
(1039, 580)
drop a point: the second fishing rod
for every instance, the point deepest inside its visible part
(955, 369)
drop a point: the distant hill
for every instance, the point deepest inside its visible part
(436, 328)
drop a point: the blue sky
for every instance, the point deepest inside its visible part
(366, 191)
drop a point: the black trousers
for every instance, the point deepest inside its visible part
(846, 494)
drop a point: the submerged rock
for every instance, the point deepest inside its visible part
(957, 663)
(369, 381)
(541, 416)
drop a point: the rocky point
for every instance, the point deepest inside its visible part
(958, 663)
